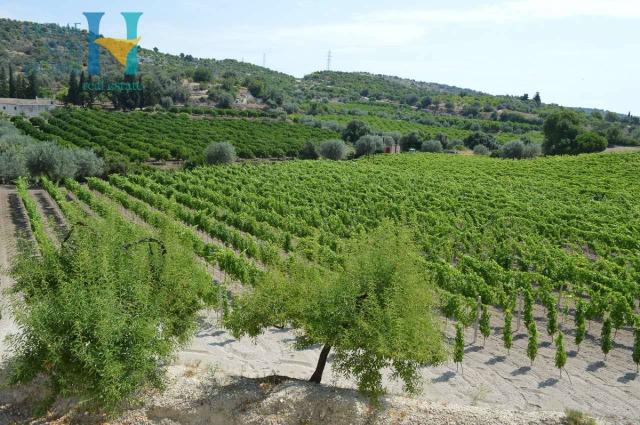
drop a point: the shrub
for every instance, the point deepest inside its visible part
(369, 145)
(433, 146)
(575, 417)
(517, 149)
(202, 75)
(225, 100)
(166, 102)
(480, 138)
(590, 141)
(103, 313)
(12, 166)
(481, 150)
(308, 151)
(333, 149)
(220, 153)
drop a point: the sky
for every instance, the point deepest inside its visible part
(574, 52)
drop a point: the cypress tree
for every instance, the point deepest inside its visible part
(485, 327)
(636, 344)
(12, 83)
(458, 349)
(532, 344)
(561, 354)
(72, 93)
(507, 336)
(4, 86)
(21, 87)
(32, 91)
(81, 99)
(606, 343)
(581, 329)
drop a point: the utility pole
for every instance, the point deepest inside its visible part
(76, 24)
(329, 61)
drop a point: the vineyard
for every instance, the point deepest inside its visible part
(141, 136)
(515, 246)
(512, 234)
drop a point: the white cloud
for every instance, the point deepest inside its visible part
(512, 11)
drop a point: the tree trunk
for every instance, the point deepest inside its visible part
(477, 323)
(322, 361)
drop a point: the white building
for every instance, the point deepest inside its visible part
(28, 107)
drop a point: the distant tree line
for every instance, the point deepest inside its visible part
(15, 85)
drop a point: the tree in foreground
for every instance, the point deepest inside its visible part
(561, 353)
(103, 313)
(485, 326)
(532, 344)
(333, 149)
(220, 153)
(606, 343)
(375, 313)
(458, 348)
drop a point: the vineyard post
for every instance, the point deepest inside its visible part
(477, 323)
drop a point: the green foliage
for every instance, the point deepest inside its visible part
(561, 354)
(376, 312)
(103, 313)
(485, 327)
(202, 75)
(606, 342)
(532, 344)
(481, 150)
(517, 149)
(507, 333)
(561, 130)
(220, 153)
(575, 417)
(369, 145)
(433, 146)
(308, 151)
(333, 149)
(590, 141)
(480, 138)
(458, 347)
(354, 131)
(580, 317)
(528, 308)
(552, 317)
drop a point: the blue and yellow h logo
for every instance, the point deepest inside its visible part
(124, 50)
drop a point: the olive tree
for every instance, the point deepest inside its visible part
(333, 149)
(433, 146)
(369, 145)
(220, 153)
(376, 312)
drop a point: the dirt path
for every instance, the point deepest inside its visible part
(492, 378)
(55, 223)
(13, 224)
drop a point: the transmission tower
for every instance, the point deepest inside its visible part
(329, 61)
